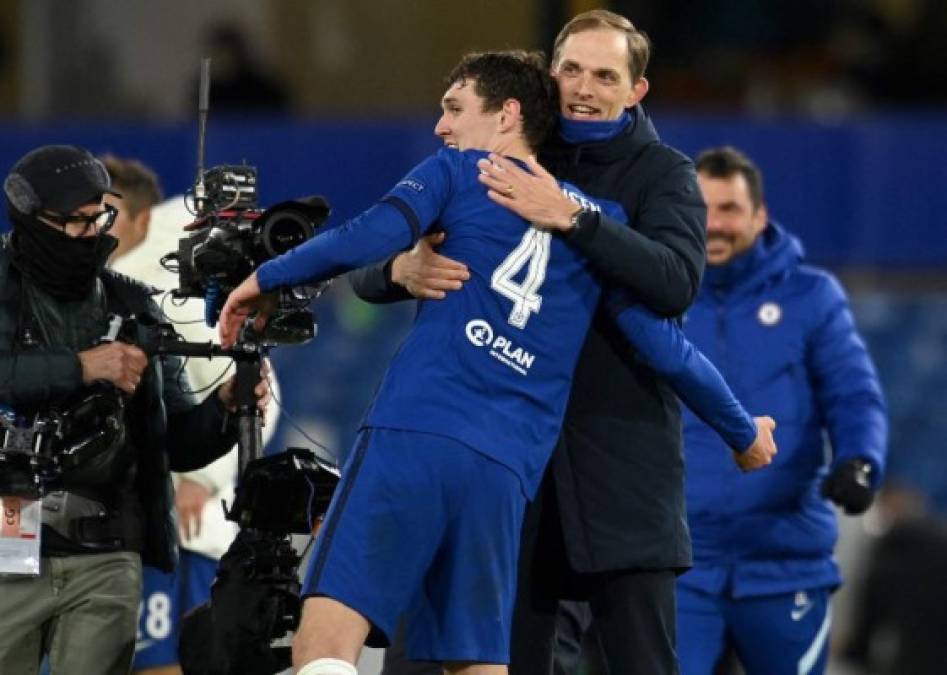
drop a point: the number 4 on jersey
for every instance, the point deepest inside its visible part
(533, 250)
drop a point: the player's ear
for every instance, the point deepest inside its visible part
(510, 114)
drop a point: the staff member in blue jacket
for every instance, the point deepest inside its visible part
(782, 334)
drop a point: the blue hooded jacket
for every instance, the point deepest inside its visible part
(782, 335)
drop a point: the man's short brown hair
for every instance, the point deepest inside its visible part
(502, 75)
(639, 46)
(138, 185)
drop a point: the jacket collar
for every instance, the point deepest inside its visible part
(775, 253)
(629, 142)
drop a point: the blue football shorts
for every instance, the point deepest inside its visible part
(424, 526)
(158, 626)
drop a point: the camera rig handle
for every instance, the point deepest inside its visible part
(248, 358)
(156, 338)
(160, 339)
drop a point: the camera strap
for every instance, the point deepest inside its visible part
(90, 523)
(111, 532)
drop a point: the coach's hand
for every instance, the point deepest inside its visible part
(761, 452)
(534, 195)
(427, 274)
(116, 362)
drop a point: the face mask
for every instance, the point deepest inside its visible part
(63, 266)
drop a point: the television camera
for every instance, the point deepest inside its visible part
(231, 236)
(255, 597)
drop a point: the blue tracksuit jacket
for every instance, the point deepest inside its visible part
(782, 335)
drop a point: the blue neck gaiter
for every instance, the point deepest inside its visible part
(588, 131)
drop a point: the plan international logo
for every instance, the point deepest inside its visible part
(480, 334)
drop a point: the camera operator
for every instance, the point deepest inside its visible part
(55, 297)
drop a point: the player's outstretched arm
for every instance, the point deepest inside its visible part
(694, 378)
(372, 236)
(394, 224)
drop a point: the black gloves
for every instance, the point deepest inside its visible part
(849, 486)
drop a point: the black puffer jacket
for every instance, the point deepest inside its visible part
(168, 429)
(618, 472)
(619, 467)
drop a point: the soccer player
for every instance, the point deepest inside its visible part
(426, 520)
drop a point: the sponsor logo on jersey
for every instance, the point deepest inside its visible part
(481, 334)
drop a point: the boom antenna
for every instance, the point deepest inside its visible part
(203, 105)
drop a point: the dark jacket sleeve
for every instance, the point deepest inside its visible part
(34, 377)
(374, 284)
(200, 435)
(197, 433)
(660, 257)
(38, 376)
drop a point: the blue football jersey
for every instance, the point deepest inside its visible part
(490, 365)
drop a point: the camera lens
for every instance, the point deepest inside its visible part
(284, 229)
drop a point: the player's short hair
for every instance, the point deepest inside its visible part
(726, 162)
(639, 46)
(137, 183)
(501, 75)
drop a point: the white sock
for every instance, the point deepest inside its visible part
(327, 667)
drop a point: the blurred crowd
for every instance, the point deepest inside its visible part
(812, 58)
(809, 57)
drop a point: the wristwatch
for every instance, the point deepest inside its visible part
(582, 220)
